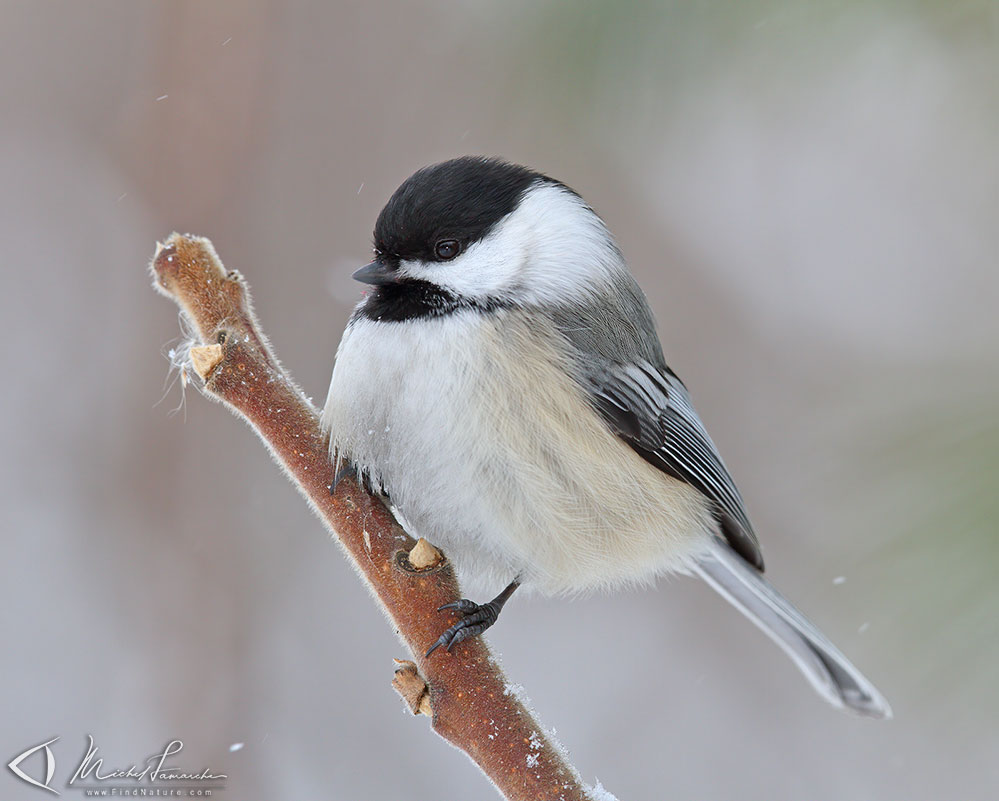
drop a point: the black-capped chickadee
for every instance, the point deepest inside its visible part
(503, 384)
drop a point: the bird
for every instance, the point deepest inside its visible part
(501, 382)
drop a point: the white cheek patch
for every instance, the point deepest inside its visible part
(551, 248)
(485, 270)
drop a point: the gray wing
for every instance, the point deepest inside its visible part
(651, 411)
(620, 365)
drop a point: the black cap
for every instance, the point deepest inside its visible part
(461, 199)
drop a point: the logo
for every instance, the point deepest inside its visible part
(15, 766)
(155, 775)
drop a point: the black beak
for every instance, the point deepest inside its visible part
(376, 274)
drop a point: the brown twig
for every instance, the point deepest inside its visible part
(465, 692)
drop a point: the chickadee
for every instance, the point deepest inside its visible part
(504, 385)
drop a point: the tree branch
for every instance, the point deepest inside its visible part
(465, 693)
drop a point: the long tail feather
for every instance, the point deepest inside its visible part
(829, 672)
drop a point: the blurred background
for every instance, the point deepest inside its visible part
(808, 193)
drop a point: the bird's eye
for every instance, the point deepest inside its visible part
(447, 249)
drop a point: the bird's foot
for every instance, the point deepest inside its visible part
(348, 470)
(476, 619)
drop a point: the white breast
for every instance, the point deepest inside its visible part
(487, 447)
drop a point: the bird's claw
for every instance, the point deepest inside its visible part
(464, 606)
(345, 470)
(477, 618)
(348, 470)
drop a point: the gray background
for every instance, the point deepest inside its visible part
(808, 194)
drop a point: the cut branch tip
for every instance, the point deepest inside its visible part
(205, 358)
(424, 555)
(411, 686)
